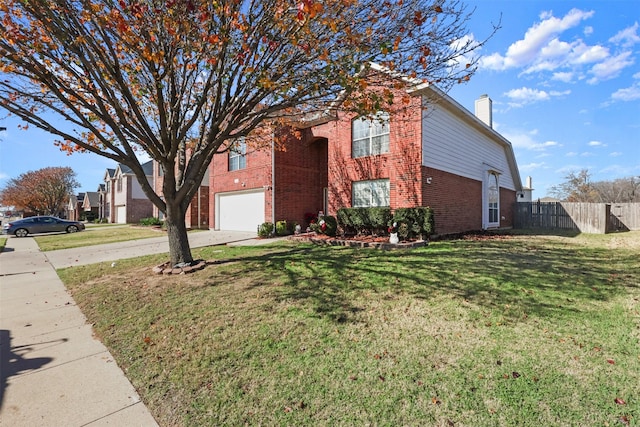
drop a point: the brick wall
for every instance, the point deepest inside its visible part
(401, 165)
(507, 199)
(456, 201)
(299, 182)
(301, 176)
(191, 217)
(138, 209)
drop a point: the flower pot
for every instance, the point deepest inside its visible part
(393, 238)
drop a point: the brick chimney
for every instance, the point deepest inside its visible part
(484, 110)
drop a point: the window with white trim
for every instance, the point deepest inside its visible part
(237, 155)
(370, 136)
(370, 193)
(493, 199)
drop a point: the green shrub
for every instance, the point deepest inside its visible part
(414, 222)
(326, 224)
(151, 221)
(265, 229)
(364, 220)
(281, 228)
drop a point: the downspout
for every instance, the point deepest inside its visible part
(273, 182)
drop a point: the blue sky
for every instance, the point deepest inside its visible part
(564, 77)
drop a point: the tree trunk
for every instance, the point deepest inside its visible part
(179, 249)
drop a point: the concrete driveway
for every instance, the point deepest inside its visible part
(134, 248)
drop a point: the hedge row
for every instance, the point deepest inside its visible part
(411, 222)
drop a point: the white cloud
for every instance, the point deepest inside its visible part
(631, 93)
(627, 37)
(615, 154)
(540, 42)
(610, 68)
(571, 154)
(596, 144)
(531, 166)
(587, 154)
(588, 30)
(525, 141)
(526, 95)
(565, 77)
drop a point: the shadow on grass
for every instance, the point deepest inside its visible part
(529, 278)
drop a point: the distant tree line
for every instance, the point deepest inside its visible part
(578, 187)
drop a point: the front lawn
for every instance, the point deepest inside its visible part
(506, 331)
(95, 235)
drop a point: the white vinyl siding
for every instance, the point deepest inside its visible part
(454, 145)
(370, 193)
(370, 136)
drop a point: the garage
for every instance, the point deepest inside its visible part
(240, 211)
(121, 214)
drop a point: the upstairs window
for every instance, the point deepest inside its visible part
(238, 155)
(370, 193)
(370, 136)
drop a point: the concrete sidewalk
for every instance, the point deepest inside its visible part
(53, 371)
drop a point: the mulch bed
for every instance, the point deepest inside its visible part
(375, 242)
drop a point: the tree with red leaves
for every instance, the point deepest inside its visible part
(44, 191)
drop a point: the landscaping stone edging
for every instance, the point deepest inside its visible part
(361, 244)
(165, 268)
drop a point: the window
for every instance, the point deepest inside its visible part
(370, 136)
(237, 155)
(371, 193)
(493, 199)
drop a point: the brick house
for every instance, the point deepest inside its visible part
(123, 200)
(74, 207)
(90, 205)
(197, 215)
(435, 153)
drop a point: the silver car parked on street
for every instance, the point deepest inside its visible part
(41, 224)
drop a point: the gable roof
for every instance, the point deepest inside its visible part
(91, 198)
(146, 167)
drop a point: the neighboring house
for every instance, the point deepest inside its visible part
(90, 205)
(74, 207)
(197, 215)
(432, 154)
(102, 202)
(124, 200)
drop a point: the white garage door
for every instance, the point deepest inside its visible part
(121, 214)
(240, 211)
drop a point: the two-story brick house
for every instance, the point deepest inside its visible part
(123, 200)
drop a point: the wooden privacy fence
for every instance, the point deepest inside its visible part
(583, 217)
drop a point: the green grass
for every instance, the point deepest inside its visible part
(94, 235)
(3, 242)
(511, 331)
